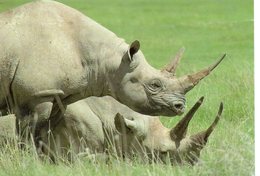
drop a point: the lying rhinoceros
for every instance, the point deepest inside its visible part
(94, 123)
(50, 52)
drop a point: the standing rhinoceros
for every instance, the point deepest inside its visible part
(50, 52)
(94, 123)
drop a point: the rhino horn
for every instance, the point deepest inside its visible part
(189, 81)
(171, 67)
(201, 138)
(179, 131)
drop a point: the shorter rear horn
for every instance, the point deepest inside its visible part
(171, 67)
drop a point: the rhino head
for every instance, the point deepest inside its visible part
(150, 91)
(162, 144)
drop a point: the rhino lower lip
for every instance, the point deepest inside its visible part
(178, 111)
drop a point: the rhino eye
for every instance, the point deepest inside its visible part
(133, 80)
(156, 84)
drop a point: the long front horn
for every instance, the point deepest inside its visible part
(189, 81)
(171, 67)
(202, 137)
(179, 131)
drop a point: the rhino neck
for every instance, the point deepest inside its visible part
(102, 52)
(101, 65)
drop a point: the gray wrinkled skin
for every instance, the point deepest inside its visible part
(48, 50)
(94, 124)
(52, 55)
(164, 101)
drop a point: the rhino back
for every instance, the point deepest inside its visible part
(54, 44)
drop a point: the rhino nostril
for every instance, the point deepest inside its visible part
(179, 106)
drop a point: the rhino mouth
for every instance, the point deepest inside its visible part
(163, 111)
(175, 108)
(168, 104)
(173, 111)
(179, 112)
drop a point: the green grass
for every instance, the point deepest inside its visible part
(207, 29)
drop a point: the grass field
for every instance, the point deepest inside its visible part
(206, 29)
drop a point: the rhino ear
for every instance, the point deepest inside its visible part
(124, 125)
(133, 49)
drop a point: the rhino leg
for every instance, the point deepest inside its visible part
(42, 103)
(43, 109)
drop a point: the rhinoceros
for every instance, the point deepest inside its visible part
(52, 55)
(104, 125)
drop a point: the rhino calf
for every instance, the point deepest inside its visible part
(94, 123)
